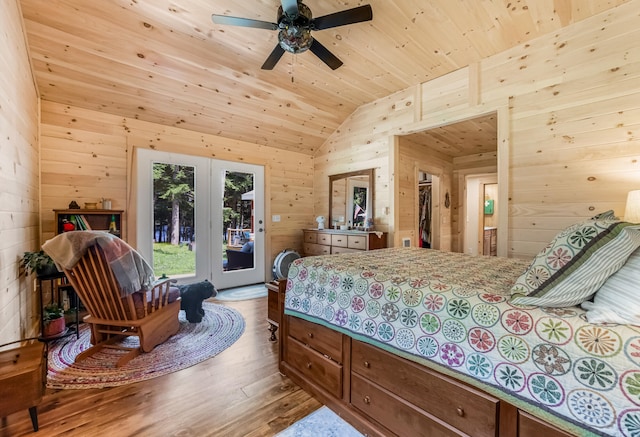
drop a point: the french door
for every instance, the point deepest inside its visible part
(192, 211)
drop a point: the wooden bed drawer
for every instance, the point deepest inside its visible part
(529, 426)
(399, 416)
(324, 340)
(464, 407)
(339, 240)
(311, 249)
(315, 366)
(357, 241)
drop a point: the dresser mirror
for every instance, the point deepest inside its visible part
(351, 199)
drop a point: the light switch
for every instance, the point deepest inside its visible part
(275, 218)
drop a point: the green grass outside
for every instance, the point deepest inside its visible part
(175, 260)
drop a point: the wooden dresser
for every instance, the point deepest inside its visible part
(331, 241)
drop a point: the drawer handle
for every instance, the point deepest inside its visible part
(309, 365)
(367, 364)
(460, 411)
(310, 334)
(366, 400)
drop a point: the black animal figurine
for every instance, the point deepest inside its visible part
(192, 296)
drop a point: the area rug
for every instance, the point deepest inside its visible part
(322, 422)
(221, 326)
(242, 293)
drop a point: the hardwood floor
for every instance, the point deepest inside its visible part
(236, 393)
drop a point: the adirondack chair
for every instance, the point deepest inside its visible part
(150, 315)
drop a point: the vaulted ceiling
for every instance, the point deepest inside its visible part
(165, 61)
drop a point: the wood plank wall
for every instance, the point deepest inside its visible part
(86, 156)
(568, 119)
(19, 312)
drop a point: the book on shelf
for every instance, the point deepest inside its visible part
(80, 222)
(85, 223)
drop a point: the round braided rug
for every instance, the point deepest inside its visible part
(221, 326)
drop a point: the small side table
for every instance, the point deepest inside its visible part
(273, 310)
(22, 380)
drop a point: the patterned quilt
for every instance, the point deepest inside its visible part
(451, 312)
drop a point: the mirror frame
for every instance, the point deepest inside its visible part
(335, 177)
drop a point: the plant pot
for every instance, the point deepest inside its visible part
(53, 327)
(48, 270)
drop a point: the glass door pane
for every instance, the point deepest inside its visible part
(174, 248)
(238, 221)
(238, 217)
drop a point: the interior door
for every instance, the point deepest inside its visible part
(191, 246)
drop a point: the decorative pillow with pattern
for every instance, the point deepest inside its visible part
(576, 262)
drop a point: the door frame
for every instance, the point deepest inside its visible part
(205, 214)
(473, 211)
(503, 146)
(435, 206)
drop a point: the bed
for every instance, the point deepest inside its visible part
(411, 341)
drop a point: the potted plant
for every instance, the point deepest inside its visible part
(39, 263)
(53, 320)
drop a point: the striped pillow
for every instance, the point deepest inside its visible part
(576, 263)
(618, 300)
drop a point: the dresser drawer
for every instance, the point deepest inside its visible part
(315, 367)
(399, 416)
(324, 340)
(339, 240)
(337, 249)
(357, 242)
(324, 239)
(311, 249)
(464, 407)
(310, 237)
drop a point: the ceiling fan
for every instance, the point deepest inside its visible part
(294, 26)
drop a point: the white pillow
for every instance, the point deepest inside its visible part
(618, 300)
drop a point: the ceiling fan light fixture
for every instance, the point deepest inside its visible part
(295, 31)
(295, 40)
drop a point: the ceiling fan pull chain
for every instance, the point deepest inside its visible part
(293, 62)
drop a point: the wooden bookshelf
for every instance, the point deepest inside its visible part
(96, 219)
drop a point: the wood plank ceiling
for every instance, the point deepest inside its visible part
(164, 61)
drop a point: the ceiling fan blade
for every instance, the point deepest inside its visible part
(290, 7)
(350, 16)
(244, 22)
(273, 58)
(325, 55)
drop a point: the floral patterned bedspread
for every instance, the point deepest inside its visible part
(451, 312)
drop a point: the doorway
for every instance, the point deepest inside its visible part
(193, 210)
(481, 214)
(452, 151)
(428, 210)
